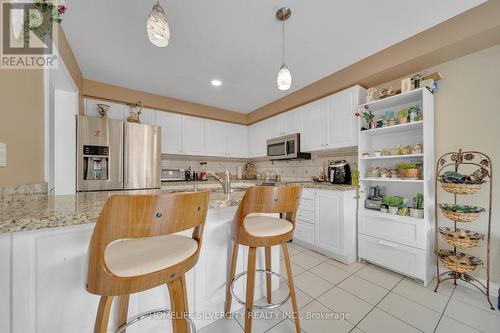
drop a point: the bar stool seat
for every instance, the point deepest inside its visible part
(140, 256)
(266, 226)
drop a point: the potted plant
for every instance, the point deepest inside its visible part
(393, 202)
(403, 116)
(368, 117)
(409, 170)
(418, 206)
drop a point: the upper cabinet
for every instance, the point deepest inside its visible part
(215, 138)
(312, 136)
(330, 122)
(342, 124)
(225, 139)
(237, 140)
(115, 111)
(148, 116)
(193, 135)
(292, 122)
(171, 132)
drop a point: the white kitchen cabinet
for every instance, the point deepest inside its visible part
(276, 126)
(330, 122)
(193, 135)
(215, 138)
(293, 122)
(256, 140)
(327, 223)
(148, 116)
(237, 140)
(171, 132)
(225, 139)
(341, 122)
(116, 111)
(313, 126)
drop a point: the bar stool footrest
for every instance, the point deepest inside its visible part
(259, 307)
(148, 314)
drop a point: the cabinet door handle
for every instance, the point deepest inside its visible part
(381, 242)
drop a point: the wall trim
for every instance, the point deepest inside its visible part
(100, 90)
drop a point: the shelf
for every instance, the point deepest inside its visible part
(378, 213)
(392, 157)
(395, 129)
(392, 180)
(400, 99)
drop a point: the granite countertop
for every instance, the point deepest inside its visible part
(329, 186)
(40, 211)
(22, 212)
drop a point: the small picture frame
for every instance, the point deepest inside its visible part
(406, 84)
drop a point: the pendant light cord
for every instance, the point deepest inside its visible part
(283, 31)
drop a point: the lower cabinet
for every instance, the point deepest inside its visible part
(400, 243)
(326, 222)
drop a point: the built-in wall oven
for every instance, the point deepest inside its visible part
(286, 148)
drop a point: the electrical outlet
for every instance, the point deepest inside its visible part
(3, 155)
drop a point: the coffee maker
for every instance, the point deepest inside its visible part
(339, 172)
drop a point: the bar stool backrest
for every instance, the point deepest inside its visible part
(269, 200)
(139, 216)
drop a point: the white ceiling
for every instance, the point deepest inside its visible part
(238, 42)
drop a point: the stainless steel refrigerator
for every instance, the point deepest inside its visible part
(117, 155)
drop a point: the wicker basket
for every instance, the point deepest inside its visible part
(461, 238)
(460, 217)
(458, 262)
(409, 173)
(462, 189)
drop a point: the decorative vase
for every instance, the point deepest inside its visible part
(103, 110)
(393, 210)
(417, 213)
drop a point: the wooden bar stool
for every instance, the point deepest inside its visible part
(264, 231)
(134, 247)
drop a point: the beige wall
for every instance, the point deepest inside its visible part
(468, 117)
(22, 126)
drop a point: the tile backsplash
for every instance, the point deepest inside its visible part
(214, 164)
(304, 170)
(295, 170)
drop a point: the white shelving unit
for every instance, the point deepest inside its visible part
(400, 243)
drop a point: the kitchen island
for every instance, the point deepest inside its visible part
(43, 249)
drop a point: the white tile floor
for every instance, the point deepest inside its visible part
(361, 298)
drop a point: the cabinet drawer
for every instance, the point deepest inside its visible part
(400, 229)
(307, 194)
(306, 205)
(305, 216)
(304, 232)
(405, 259)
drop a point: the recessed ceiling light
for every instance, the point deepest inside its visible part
(216, 83)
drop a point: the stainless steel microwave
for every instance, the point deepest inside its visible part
(286, 148)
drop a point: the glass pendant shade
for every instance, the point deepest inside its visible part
(157, 27)
(284, 78)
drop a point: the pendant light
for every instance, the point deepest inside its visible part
(284, 79)
(157, 26)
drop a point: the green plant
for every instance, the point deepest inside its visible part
(408, 166)
(418, 201)
(403, 113)
(393, 201)
(367, 116)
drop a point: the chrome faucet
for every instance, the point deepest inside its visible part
(226, 182)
